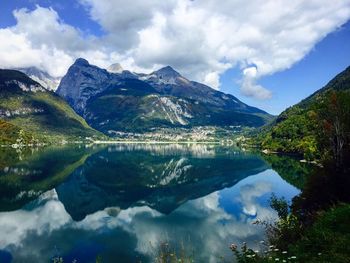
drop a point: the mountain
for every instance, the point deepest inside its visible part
(42, 77)
(293, 131)
(126, 101)
(28, 111)
(115, 68)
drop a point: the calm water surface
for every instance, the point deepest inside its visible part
(120, 202)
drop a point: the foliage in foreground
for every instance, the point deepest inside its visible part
(167, 254)
(326, 240)
(271, 254)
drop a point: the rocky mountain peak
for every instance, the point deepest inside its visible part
(167, 72)
(81, 62)
(42, 77)
(82, 82)
(145, 101)
(115, 68)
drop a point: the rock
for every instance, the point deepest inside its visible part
(115, 68)
(116, 99)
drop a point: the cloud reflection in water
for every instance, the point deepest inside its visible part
(206, 225)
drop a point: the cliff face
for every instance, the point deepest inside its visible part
(121, 100)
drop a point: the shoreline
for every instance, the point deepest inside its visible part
(100, 142)
(155, 142)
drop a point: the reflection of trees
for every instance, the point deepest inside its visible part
(28, 173)
(10, 156)
(323, 189)
(290, 169)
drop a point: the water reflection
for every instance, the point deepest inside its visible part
(140, 176)
(26, 174)
(199, 150)
(121, 201)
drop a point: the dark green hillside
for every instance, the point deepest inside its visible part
(10, 75)
(295, 129)
(36, 113)
(136, 106)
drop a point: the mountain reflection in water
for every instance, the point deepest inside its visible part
(120, 201)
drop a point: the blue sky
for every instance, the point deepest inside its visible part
(267, 54)
(328, 58)
(70, 11)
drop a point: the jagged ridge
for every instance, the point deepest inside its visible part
(131, 101)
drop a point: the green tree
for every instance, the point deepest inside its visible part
(333, 128)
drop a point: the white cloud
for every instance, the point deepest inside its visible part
(46, 224)
(41, 39)
(123, 20)
(201, 39)
(248, 195)
(249, 86)
(43, 27)
(47, 217)
(212, 79)
(38, 39)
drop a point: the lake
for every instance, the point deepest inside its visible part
(120, 202)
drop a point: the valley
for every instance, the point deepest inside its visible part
(174, 131)
(116, 147)
(118, 105)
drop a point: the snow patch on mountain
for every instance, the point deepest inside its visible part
(6, 113)
(43, 78)
(25, 87)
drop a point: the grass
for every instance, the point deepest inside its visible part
(167, 254)
(327, 240)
